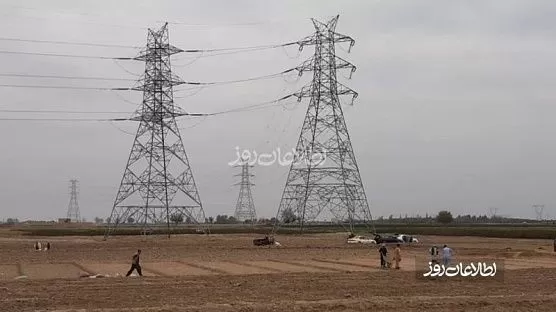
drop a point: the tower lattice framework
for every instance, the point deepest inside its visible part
(245, 207)
(327, 187)
(157, 187)
(73, 208)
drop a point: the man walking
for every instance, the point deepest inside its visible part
(447, 254)
(397, 256)
(135, 264)
(383, 252)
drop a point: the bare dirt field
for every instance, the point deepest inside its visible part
(307, 273)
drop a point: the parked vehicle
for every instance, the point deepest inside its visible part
(361, 240)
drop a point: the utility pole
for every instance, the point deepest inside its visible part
(157, 183)
(245, 207)
(330, 187)
(73, 208)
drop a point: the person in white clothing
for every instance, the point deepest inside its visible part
(447, 254)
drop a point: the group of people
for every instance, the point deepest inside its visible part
(39, 246)
(384, 263)
(447, 254)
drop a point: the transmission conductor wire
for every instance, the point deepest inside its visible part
(70, 43)
(64, 77)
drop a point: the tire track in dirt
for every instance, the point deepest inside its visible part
(155, 272)
(204, 267)
(293, 262)
(345, 263)
(83, 268)
(253, 265)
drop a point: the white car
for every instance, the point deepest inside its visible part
(407, 238)
(360, 240)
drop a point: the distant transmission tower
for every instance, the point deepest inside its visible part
(493, 212)
(245, 207)
(157, 186)
(539, 211)
(73, 207)
(330, 188)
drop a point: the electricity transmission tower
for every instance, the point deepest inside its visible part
(493, 212)
(157, 185)
(73, 207)
(329, 188)
(539, 211)
(245, 207)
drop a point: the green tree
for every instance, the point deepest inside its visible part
(288, 216)
(444, 217)
(176, 218)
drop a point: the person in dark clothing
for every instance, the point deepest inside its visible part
(383, 252)
(434, 254)
(135, 264)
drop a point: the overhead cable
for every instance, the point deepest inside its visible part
(71, 43)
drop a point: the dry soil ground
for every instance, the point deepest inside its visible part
(307, 273)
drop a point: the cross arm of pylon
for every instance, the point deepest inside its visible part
(306, 66)
(343, 90)
(170, 81)
(149, 53)
(307, 91)
(335, 38)
(341, 63)
(241, 183)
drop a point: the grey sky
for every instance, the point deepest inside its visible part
(454, 110)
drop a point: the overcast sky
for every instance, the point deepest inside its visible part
(455, 111)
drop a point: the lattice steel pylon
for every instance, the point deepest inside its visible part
(245, 207)
(539, 211)
(73, 208)
(330, 188)
(157, 187)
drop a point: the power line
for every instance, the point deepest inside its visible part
(63, 87)
(70, 43)
(61, 119)
(260, 47)
(58, 111)
(248, 108)
(242, 109)
(67, 55)
(237, 80)
(65, 77)
(217, 25)
(129, 79)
